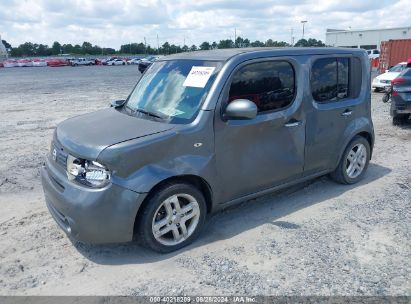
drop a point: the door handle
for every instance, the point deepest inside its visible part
(294, 123)
(347, 112)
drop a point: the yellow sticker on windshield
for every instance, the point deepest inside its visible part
(198, 76)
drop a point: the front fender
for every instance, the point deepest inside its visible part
(144, 179)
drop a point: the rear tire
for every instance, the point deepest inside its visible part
(171, 208)
(354, 162)
(399, 119)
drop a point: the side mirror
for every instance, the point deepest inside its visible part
(241, 109)
(117, 103)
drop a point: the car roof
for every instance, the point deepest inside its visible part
(225, 54)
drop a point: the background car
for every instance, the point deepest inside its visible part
(385, 79)
(401, 97)
(134, 61)
(116, 61)
(146, 62)
(372, 54)
(82, 61)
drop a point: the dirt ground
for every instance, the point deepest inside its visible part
(319, 238)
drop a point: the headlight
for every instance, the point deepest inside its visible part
(87, 172)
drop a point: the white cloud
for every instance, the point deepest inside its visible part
(110, 23)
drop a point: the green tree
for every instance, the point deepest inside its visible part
(43, 50)
(165, 48)
(6, 44)
(68, 49)
(56, 48)
(311, 42)
(226, 44)
(257, 43)
(193, 48)
(27, 49)
(87, 48)
(205, 46)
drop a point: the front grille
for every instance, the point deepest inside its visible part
(61, 156)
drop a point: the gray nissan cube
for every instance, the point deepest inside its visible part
(205, 130)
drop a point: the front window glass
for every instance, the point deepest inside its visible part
(270, 85)
(163, 91)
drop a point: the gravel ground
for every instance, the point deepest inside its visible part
(318, 238)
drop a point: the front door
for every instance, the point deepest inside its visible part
(257, 154)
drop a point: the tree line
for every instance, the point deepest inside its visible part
(34, 49)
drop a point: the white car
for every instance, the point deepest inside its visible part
(82, 61)
(134, 61)
(385, 79)
(116, 62)
(372, 54)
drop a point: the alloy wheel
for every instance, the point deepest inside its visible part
(356, 160)
(176, 219)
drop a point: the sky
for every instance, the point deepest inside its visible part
(110, 23)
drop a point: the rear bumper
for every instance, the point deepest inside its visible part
(95, 216)
(399, 106)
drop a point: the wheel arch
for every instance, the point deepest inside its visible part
(362, 133)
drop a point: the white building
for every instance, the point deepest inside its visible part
(3, 51)
(366, 39)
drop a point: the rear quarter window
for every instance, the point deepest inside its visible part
(335, 78)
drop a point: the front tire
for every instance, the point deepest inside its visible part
(172, 217)
(354, 162)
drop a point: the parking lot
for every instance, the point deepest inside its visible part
(318, 238)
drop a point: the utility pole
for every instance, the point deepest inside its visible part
(303, 22)
(291, 40)
(145, 46)
(158, 46)
(235, 37)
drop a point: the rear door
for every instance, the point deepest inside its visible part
(332, 105)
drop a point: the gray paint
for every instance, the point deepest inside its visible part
(89, 134)
(238, 159)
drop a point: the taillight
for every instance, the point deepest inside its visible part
(397, 80)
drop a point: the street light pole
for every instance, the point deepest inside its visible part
(303, 22)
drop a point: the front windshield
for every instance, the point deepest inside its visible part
(397, 68)
(173, 90)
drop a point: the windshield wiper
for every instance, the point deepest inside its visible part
(149, 113)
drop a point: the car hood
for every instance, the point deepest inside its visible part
(87, 135)
(388, 76)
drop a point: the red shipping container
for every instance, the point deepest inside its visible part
(393, 52)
